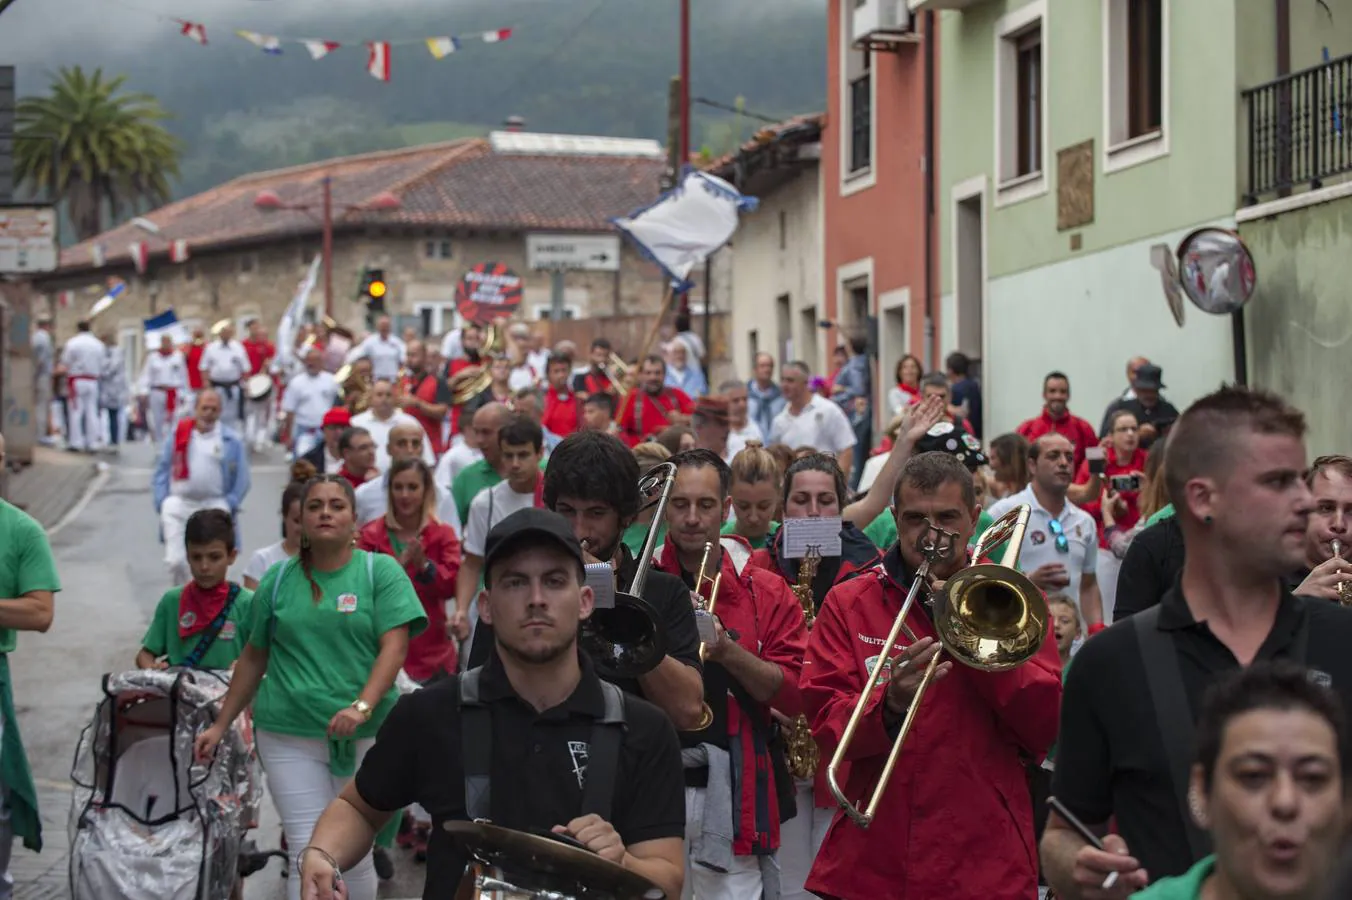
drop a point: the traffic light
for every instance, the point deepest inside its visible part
(373, 289)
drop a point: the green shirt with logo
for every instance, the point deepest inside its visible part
(26, 563)
(162, 637)
(320, 654)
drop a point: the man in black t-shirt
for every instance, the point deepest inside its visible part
(592, 481)
(1234, 465)
(534, 740)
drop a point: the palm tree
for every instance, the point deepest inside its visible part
(98, 149)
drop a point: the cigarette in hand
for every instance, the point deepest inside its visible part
(1110, 881)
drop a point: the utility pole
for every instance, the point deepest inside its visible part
(685, 87)
(673, 174)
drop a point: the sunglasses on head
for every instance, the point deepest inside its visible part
(1062, 544)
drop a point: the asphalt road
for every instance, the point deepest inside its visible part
(112, 573)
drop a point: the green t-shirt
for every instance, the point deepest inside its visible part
(473, 478)
(26, 562)
(320, 654)
(883, 530)
(162, 636)
(1187, 886)
(1160, 516)
(730, 527)
(635, 534)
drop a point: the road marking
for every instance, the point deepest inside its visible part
(94, 487)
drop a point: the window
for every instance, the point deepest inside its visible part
(855, 104)
(437, 318)
(544, 313)
(1028, 102)
(1021, 104)
(437, 249)
(1135, 77)
(753, 345)
(861, 112)
(783, 230)
(248, 262)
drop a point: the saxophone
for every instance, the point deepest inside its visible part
(801, 748)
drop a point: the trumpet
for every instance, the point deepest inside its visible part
(1344, 588)
(707, 607)
(990, 617)
(801, 750)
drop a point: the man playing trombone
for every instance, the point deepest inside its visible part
(955, 819)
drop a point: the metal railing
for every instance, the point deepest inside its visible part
(1299, 129)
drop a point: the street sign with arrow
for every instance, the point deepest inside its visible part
(573, 252)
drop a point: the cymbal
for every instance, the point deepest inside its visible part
(556, 861)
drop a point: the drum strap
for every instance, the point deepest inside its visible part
(476, 742)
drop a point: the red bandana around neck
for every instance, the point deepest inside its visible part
(197, 607)
(540, 492)
(351, 479)
(182, 437)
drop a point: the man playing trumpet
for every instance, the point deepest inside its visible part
(956, 818)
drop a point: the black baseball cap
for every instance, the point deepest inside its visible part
(530, 527)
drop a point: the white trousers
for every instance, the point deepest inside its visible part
(302, 788)
(1107, 569)
(304, 439)
(741, 882)
(230, 397)
(42, 408)
(161, 418)
(799, 840)
(258, 429)
(174, 515)
(86, 426)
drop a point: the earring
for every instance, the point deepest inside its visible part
(1208, 520)
(1195, 807)
(305, 542)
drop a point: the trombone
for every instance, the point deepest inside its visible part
(707, 607)
(990, 617)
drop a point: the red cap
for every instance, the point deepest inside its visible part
(338, 416)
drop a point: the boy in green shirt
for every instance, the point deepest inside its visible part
(181, 633)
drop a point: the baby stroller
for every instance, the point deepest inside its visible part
(147, 820)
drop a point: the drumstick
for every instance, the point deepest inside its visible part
(1083, 831)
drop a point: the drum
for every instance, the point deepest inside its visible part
(258, 387)
(514, 865)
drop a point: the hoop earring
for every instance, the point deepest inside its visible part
(304, 541)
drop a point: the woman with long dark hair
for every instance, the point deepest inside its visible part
(289, 545)
(331, 630)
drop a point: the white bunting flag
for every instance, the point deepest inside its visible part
(140, 255)
(493, 37)
(266, 42)
(378, 63)
(193, 31)
(178, 251)
(320, 49)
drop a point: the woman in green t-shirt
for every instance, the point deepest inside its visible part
(756, 484)
(330, 629)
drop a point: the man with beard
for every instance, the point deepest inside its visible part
(1057, 418)
(596, 379)
(1234, 464)
(538, 740)
(654, 407)
(592, 481)
(425, 396)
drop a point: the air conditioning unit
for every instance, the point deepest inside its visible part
(880, 20)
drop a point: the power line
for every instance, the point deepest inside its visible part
(703, 101)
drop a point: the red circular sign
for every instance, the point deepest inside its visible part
(487, 291)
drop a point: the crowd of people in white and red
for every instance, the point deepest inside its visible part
(1187, 708)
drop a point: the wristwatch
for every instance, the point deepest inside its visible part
(363, 708)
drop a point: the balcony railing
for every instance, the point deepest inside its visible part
(1300, 129)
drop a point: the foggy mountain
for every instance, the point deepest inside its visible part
(579, 66)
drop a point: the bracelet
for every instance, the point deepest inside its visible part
(300, 859)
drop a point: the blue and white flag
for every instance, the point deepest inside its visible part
(687, 224)
(294, 316)
(165, 323)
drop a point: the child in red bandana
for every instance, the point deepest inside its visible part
(181, 634)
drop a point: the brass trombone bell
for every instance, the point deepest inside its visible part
(708, 605)
(989, 617)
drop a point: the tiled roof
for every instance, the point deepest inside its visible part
(461, 184)
(798, 130)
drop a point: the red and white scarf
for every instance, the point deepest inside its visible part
(182, 438)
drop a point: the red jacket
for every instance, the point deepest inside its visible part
(1074, 429)
(641, 423)
(1132, 498)
(956, 820)
(769, 623)
(563, 412)
(432, 651)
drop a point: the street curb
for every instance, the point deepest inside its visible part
(95, 485)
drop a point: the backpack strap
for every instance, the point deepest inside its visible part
(603, 756)
(1173, 716)
(476, 746)
(213, 631)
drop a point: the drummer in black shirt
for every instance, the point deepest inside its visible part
(592, 481)
(1234, 463)
(546, 746)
